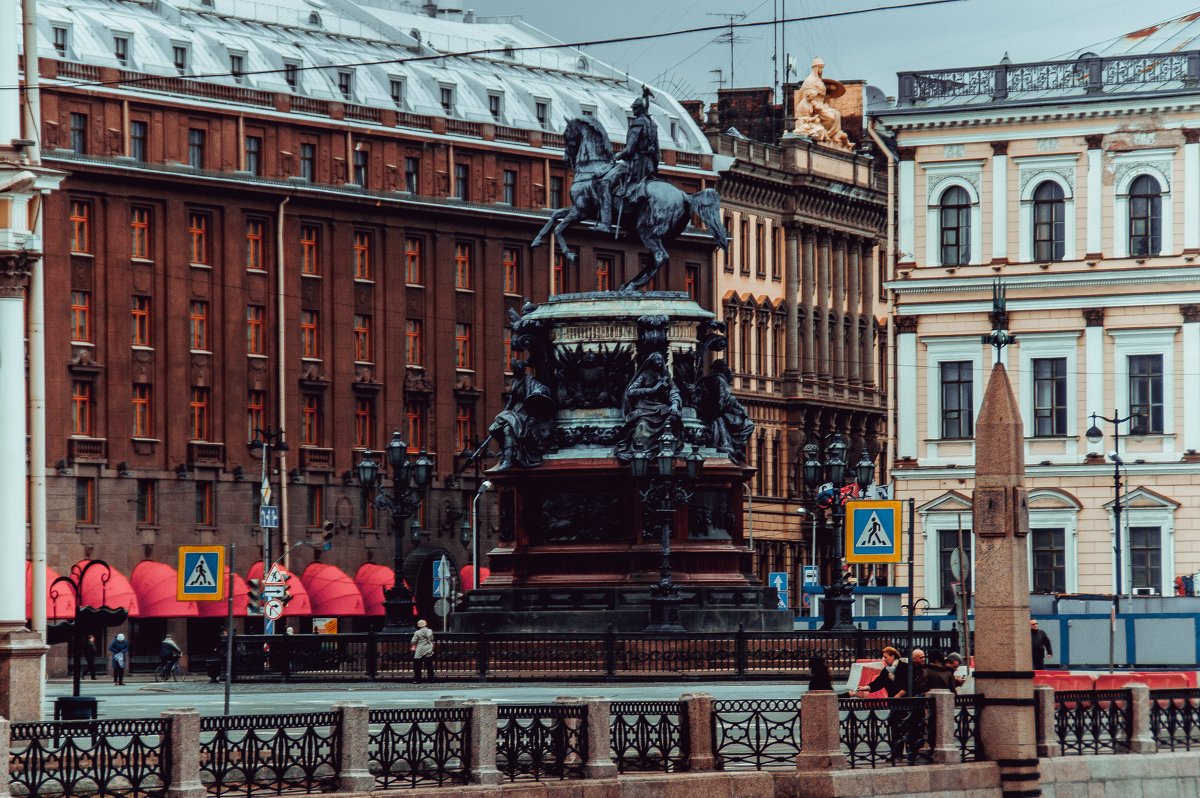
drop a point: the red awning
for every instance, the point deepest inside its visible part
(466, 575)
(60, 600)
(157, 585)
(220, 609)
(300, 604)
(331, 591)
(106, 587)
(372, 579)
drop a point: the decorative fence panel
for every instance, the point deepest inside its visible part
(414, 747)
(886, 731)
(966, 725)
(1175, 719)
(1093, 721)
(123, 758)
(536, 742)
(648, 735)
(248, 754)
(756, 734)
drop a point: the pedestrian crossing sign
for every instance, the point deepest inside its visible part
(873, 531)
(201, 573)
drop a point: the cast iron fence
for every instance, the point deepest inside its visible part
(536, 742)
(470, 656)
(966, 725)
(414, 747)
(756, 734)
(886, 731)
(1093, 721)
(1175, 719)
(248, 754)
(648, 735)
(122, 758)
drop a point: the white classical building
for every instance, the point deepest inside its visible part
(1075, 186)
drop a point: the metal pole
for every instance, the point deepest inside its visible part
(912, 601)
(268, 624)
(229, 621)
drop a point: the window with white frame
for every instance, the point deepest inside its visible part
(1052, 542)
(941, 527)
(1049, 221)
(956, 379)
(1046, 218)
(954, 213)
(953, 366)
(1145, 383)
(1145, 217)
(1143, 223)
(1147, 542)
(954, 222)
(1046, 377)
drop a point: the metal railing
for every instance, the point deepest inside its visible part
(966, 725)
(248, 754)
(418, 747)
(756, 734)
(1175, 719)
(122, 758)
(886, 731)
(648, 735)
(1093, 721)
(538, 742)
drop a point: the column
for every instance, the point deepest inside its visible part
(354, 775)
(819, 729)
(854, 305)
(1140, 739)
(906, 195)
(599, 764)
(837, 304)
(1191, 376)
(183, 775)
(869, 277)
(791, 292)
(697, 718)
(1047, 731)
(907, 387)
(1093, 366)
(1191, 191)
(999, 201)
(821, 308)
(807, 293)
(944, 744)
(1095, 197)
(482, 755)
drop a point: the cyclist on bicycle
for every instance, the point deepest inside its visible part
(168, 654)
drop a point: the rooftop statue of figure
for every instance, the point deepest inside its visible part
(815, 117)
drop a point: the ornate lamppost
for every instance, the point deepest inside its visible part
(409, 480)
(838, 603)
(660, 495)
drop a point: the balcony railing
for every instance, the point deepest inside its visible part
(86, 448)
(317, 459)
(200, 453)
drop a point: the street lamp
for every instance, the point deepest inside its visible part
(409, 480)
(1095, 435)
(838, 604)
(266, 440)
(660, 495)
(471, 534)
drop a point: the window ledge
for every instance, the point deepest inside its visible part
(256, 271)
(310, 275)
(414, 285)
(364, 280)
(83, 255)
(201, 352)
(207, 266)
(306, 359)
(142, 348)
(257, 356)
(142, 261)
(464, 290)
(88, 344)
(146, 440)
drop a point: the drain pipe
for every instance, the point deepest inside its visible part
(280, 359)
(888, 269)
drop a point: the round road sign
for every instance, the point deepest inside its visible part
(441, 607)
(274, 609)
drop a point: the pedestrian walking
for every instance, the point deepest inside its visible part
(120, 655)
(422, 648)
(90, 650)
(1039, 641)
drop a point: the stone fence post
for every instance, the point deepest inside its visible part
(820, 732)
(354, 770)
(599, 763)
(1140, 739)
(696, 723)
(482, 756)
(6, 745)
(1047, 730)
(945, 745)
(183, 748)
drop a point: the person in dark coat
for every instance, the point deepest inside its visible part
(120, 658)
(893, 680)
(1039, 641)
(90, 651)
(819, 676)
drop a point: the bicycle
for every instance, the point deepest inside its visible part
(171, 671)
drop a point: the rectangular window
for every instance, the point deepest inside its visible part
(1049, 560)
(462, 180)
(81, 316)
(141, 411)
(346, 83)
(236, 63)
(316, 505)
(560, 274)
(146, 501)
(85, 500)
(308, 162)
(196, 148)
(760, 249)
(310, 432)
(414, 413)
(744, 245)
(204, 504)
(947, 544)
(604, 271)
(81, 408)
(691, 281)
(512, 271)
(462, 346)
(507, 353)
(121, 50)
(361, 160)
(198, 325)
(364, 421)
(556, 192)
(362, 337)
(309, 334)
(291, 74)
(254, 155)
(362, 255)
(1146, 392)
(776, 253)
(255, 402)
(60, 40)
(541, 110)
(255, 342)
(446, 96)
(396, 89)
(179, 56)
(198, 231)
(137, 140)
(494, 105)
(254, 244)
(412, 167)
(139, 231)
(958, 420)
(412, 261)
(1145, 558)
(139, 312)
(308, 248)
(462, 265)
(79, 133)
(463, 425)
(80, 234)
(510, 186)
(198, 407)
(1049, 396)
(413, 348)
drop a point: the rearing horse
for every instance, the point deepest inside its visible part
(660, 217)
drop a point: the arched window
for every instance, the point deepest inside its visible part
(1145, 217)
(1049, 213)
(956, 227)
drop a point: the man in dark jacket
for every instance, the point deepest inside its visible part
(1039, 641)
(893, 680)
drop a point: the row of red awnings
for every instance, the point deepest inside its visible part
(150, 592)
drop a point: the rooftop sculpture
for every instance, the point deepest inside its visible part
(815, 117)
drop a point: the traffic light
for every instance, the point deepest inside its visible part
(327, 535)
(254, 595)
(287, 592)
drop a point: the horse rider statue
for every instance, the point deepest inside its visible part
(635, 164)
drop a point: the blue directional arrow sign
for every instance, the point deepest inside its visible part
(779, 581)
(873, 531)
(268, 516)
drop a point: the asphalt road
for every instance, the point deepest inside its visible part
(142, 698)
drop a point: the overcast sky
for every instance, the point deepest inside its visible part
(871, 46)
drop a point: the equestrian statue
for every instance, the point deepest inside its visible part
(627, 186)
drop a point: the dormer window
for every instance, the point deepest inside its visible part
(346, 84)
(291, 74)
(121, 49)
(314, 19)
(582, 64)
(60, 40)
(397, 91)
(541, 110)
(447, 98)
(674, 130)
(179, 55)
(588, 110)
(237, 63)
(495, 104)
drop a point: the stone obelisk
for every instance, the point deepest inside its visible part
(1003, 658)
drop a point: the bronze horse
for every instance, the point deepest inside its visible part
(660, 217)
